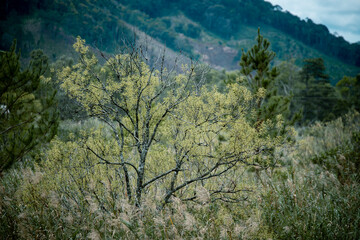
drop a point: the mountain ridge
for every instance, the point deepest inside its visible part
(204, 31)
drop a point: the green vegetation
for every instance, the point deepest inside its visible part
(312, 94)
(349, 88)
(149, 110)
(149, 150)
(27, 109)
(316, 194)
(255, 66)
(225, 17)
(200, 29)
(318, 98)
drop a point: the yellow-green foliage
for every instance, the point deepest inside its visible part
(162, 124)
(71, 195)
(162, 140)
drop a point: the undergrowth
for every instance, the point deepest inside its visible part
(313, 193)
(318, 194)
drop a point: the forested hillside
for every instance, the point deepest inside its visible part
(227, 17)
(176, 120)
(211, 31)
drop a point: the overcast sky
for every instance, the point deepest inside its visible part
(341, 16)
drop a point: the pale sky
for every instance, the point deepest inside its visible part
(341, 16)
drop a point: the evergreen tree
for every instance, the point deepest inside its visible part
(314, 68)
(349, 88)
(256, 67)
(318, 100)
(27, 114)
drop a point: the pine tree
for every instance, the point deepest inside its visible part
(27, 114)
(318, 99)
(349, 88)
(314, 68)
(256, 67)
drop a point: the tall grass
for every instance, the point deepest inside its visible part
(65, 197)
(30, 212)
(312, 194)
(318, 193)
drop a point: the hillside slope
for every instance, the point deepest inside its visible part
(215, 35)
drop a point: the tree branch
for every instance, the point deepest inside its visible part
(111, 163)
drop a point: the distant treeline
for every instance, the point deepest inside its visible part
(224, 17)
